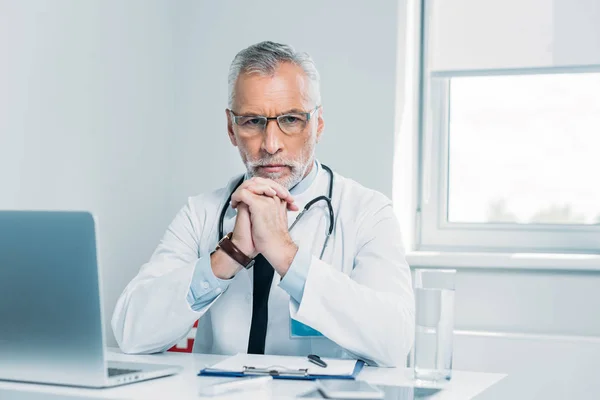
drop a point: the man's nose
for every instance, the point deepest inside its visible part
(272, 142)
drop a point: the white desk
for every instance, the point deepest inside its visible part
(185, 385)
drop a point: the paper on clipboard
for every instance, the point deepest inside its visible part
(335, 367)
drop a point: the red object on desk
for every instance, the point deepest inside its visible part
(187, 343)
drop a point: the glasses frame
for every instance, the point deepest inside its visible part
(307, 114)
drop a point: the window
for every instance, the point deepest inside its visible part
(511, 161)
(525, 149)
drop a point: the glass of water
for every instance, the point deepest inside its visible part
(434, 297)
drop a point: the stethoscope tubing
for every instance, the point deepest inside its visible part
(326, 199)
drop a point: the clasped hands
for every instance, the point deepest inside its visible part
(261, 225)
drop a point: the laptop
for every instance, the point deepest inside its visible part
(51, 327)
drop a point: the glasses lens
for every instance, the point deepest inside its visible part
(251, 123)
(292, 123)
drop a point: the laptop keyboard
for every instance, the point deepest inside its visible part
(120, 371)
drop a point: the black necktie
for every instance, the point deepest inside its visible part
(263, 277)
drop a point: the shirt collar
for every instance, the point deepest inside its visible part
(306, 181)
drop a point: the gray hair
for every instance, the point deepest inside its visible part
(264, 57)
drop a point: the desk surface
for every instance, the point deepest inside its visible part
(186, 385)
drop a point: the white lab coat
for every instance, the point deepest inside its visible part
(359, 296)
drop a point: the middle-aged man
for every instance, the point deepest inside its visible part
(232, 259)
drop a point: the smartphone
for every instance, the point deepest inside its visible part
(348, 389)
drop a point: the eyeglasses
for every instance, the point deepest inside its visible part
(290, 124)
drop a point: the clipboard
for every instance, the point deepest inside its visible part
(275, 366)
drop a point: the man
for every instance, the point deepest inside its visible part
(349, 295)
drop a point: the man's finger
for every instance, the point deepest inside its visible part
(282, 192)
(265, 190)
(249, 198)
(292, 207)
(242, 195)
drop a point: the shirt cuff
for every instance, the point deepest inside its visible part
(205, 286)
(295, 278)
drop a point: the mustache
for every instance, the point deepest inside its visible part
(270, 161)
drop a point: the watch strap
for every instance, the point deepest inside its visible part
(234, 252)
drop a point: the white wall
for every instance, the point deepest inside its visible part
(86, 114)
(538, 326)
(538, 367)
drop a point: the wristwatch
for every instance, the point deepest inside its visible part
(232, 251)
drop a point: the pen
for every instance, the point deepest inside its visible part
(315, 359)
(236, 385)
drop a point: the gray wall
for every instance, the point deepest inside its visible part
(354, 47)
(490, 34)
(86, 112)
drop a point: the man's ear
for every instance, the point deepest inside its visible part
(320, 123)
(230, 127)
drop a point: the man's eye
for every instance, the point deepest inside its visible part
(251, 121)
(290, 119)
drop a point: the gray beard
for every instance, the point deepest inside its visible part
(297, 174)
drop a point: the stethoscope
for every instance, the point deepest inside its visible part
(326, 199)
